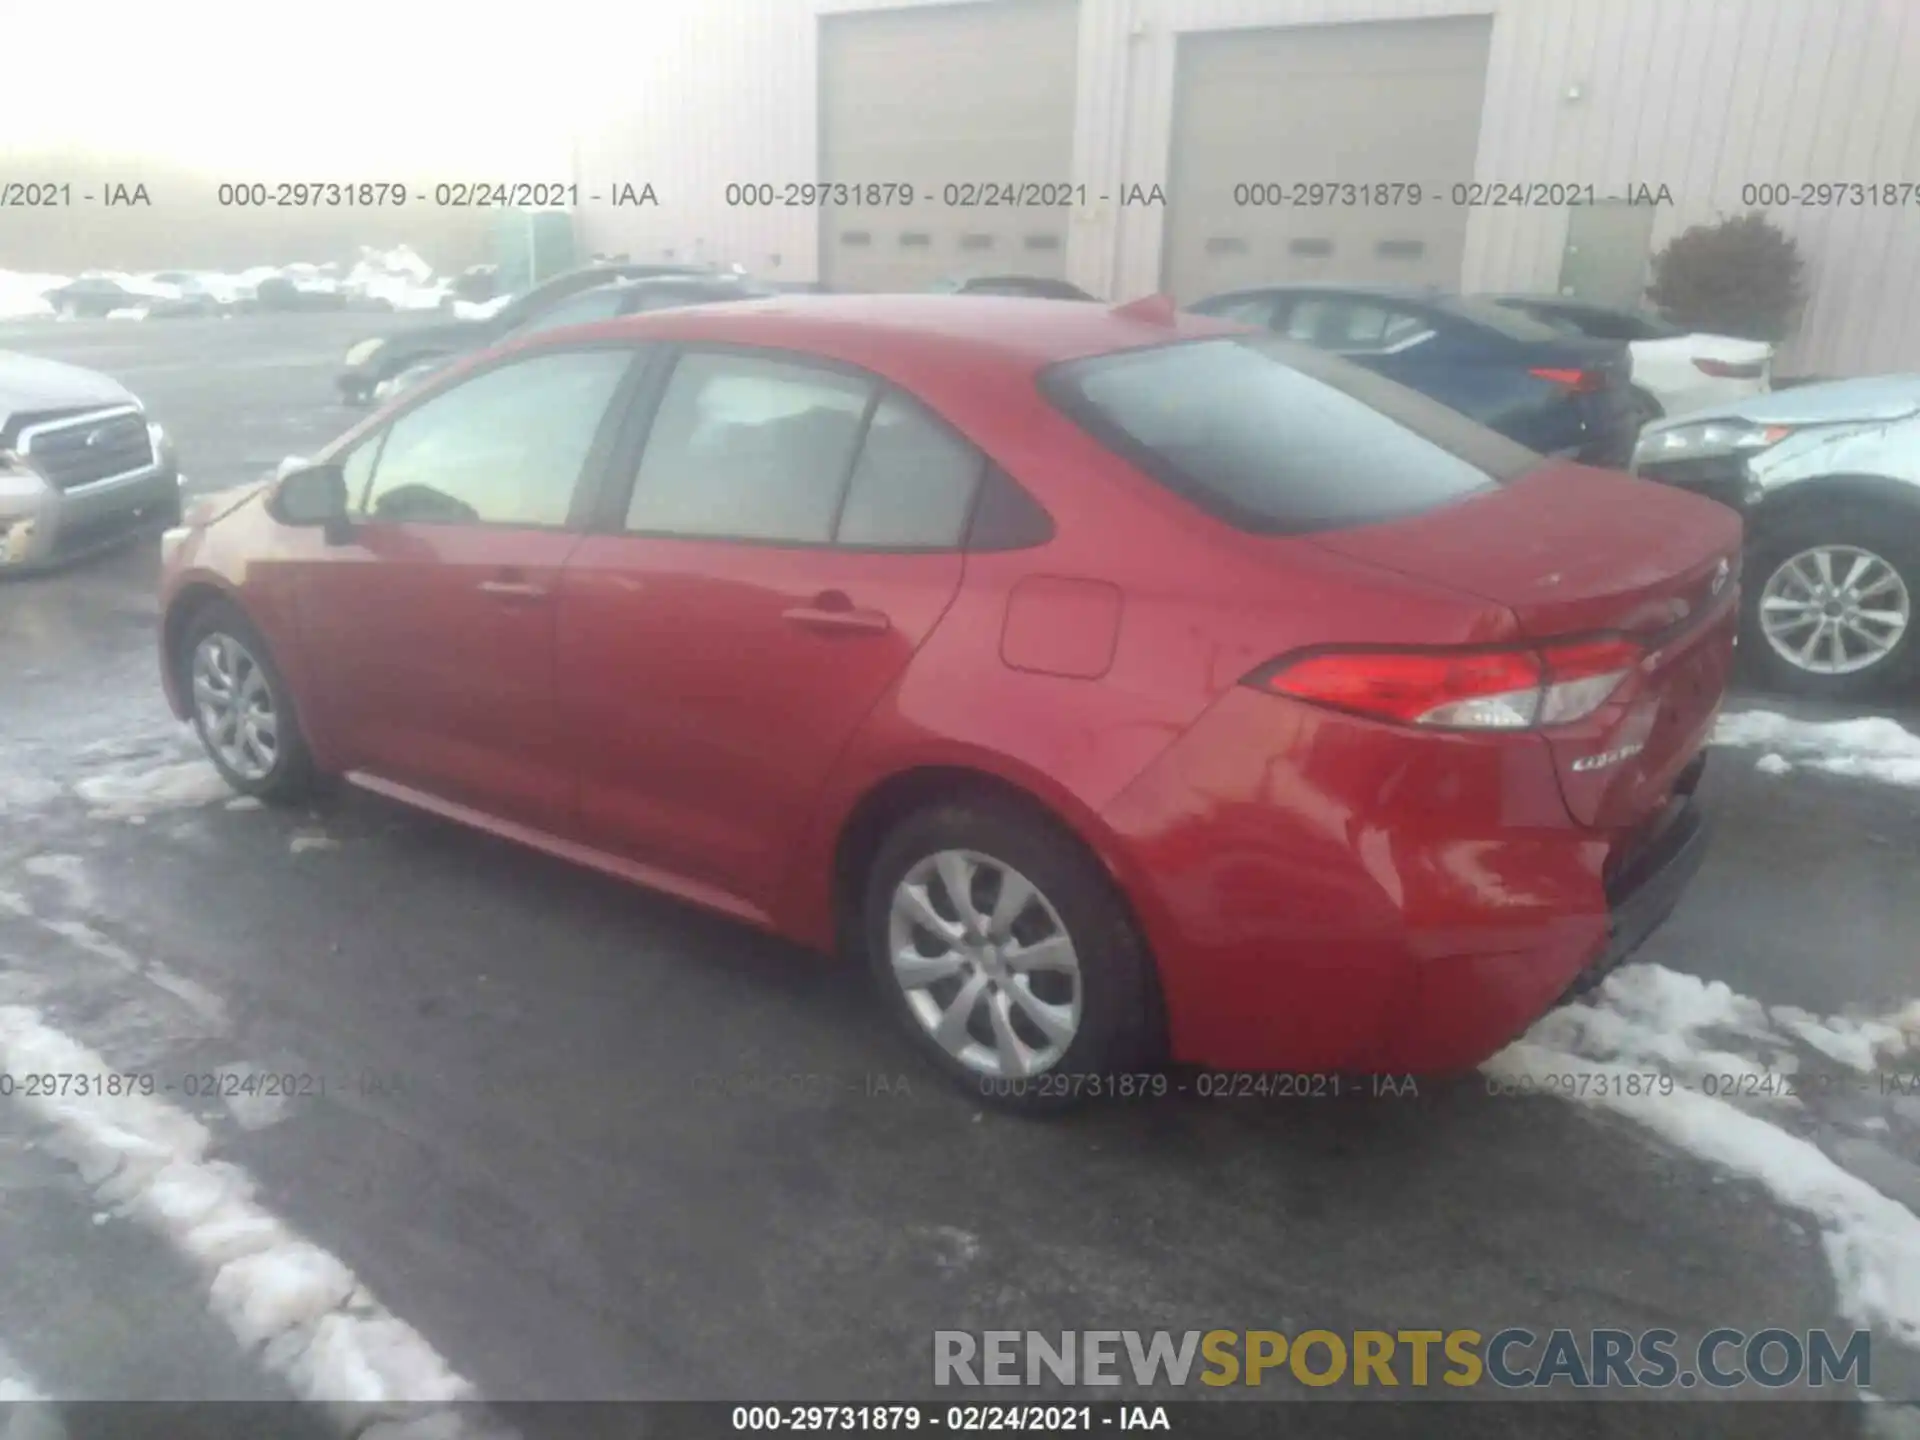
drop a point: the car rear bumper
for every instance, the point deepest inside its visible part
(1325, 894)
(1646, 889)
(59, 526)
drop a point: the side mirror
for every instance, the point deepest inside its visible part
(315, 495)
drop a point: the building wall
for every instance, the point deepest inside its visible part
(1703, 97)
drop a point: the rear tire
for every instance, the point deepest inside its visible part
(1046, 1001)
(1788, 600)
(242, 708)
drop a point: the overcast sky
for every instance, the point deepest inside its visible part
(343, 90)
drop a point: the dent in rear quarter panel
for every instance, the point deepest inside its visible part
(1327, 893)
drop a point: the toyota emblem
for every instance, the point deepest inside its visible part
(97, 437)
(1720, 574)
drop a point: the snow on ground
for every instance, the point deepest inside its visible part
(398, 276)
(480, 309)
(1648, 1021)
(1873, 748)
(296, 1307)
(27, 1415)
(135, 792)
(23, 296)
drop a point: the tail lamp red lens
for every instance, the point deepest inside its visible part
(1578, 382)
(1730, 369)
(1510, 689)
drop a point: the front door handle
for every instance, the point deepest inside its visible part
(833, 611)
(513, 589)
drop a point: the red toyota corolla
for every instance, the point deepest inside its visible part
(1125, 687)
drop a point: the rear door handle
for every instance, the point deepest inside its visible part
(513, 589)
(833, 611)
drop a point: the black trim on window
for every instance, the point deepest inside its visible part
(1005, 516)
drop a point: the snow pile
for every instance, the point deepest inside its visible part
(298, 1308)
(398, 277)
(130, 794)
(24, 296)
(1649, 1019)
(1869, 749)
(480, 309)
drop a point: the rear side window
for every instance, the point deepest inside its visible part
(1277, 438)
(913, 484)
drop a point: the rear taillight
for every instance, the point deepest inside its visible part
(1730, 370)
(1577, 382)
(1516, 689)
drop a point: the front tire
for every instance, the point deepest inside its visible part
(1005, 951)
(1830, 603)
(242, 708)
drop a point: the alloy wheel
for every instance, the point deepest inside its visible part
(1835, 609)
(234, 705)
(986, 964)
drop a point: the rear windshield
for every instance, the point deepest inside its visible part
(1278, 438)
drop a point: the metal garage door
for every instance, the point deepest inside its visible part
(1376, 104)
(978, 96)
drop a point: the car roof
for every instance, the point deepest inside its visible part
(887, 332)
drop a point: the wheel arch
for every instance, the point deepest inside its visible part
(1792, 504)
(188, 603)
(892, 797)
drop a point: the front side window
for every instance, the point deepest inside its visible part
(507, 447)
(1277, 438)
(751, 449)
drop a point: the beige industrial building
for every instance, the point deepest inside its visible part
(1194, 145)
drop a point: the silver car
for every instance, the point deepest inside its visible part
(81, 465)
(1828, 479)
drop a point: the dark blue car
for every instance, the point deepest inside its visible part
(1559, 394)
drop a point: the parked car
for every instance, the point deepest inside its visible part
(81, 465)
(1674, 370)
(604, 302)
(371, 361)
(1828, 480)
(1560, 394)
(1033, 287)
(94, 296)
(1121, 685)
(285, 294)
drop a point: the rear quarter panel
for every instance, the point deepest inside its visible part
(1199, 606)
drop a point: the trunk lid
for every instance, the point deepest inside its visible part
(1572, 551)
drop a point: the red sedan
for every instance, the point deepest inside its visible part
(1125, 687)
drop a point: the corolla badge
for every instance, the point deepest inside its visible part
(1607, 757)
(1720, 574)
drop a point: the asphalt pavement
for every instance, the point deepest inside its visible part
(580, 1141)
